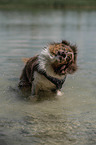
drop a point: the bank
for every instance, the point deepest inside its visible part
(28, 4)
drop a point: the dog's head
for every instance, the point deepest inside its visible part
(61, 56)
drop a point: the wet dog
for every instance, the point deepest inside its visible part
(47, 71)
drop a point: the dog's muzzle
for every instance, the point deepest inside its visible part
(63, 61)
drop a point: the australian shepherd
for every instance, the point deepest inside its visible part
(47, 71)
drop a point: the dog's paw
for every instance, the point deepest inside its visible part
(59, 93)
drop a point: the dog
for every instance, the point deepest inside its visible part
(47, 71)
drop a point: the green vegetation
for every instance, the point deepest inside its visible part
(48, 3)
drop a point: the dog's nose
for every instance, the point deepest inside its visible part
(62, 53)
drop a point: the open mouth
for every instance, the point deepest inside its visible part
(62, 69)
(62, 64)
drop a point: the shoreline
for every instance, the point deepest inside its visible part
(30, 7)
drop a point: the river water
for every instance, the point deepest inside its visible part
(69, 119)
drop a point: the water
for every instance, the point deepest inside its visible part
(69, 119)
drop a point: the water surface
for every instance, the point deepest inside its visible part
(69, 119)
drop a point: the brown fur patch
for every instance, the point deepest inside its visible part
(54, 48)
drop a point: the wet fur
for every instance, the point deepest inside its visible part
(37, 82)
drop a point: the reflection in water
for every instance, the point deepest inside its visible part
(68, 119)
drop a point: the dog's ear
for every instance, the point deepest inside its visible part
(73, 67)
(74, 48)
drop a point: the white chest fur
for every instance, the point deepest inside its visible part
(41, 82)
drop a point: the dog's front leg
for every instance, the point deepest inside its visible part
(35, 89)
(34, 92)
(59, 93)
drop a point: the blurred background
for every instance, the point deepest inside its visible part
(26, 26)
(48, 4)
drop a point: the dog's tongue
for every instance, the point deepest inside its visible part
(62, 69)
(62, 72)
